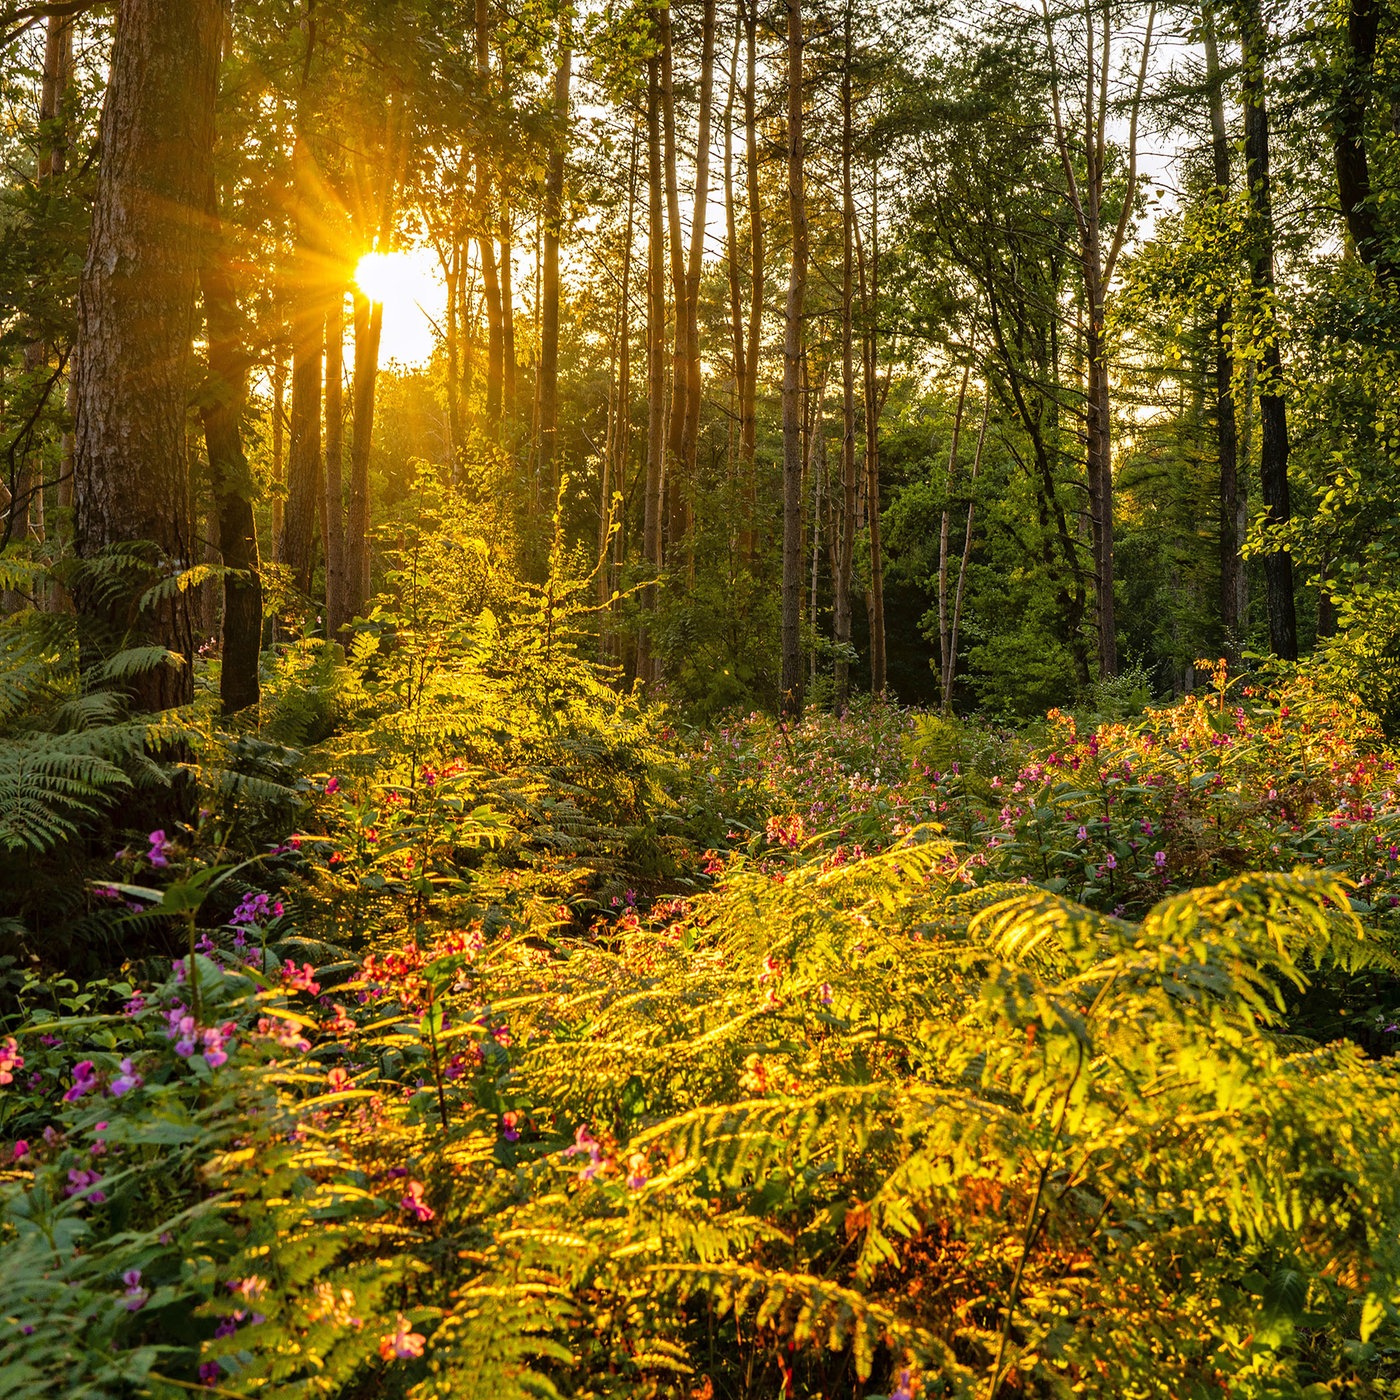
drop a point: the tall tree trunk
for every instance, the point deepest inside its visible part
(1234, 508)
(336, 595)
(495, 329)
(369, 326)
(221, 410)
(553, 212)
(950, 665)
(136, 303)
(748, 393)
(674, 485)
(731, 249)
(656, 365)
(619, 440)
(279, 464)
(690, 426)
(297, 546)
(506, 271)
(791, 677)
(846, 537)
(1349, 153)
(869, 283)
(945, 644)
(1273, 417)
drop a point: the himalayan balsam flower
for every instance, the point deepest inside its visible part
(84, 1081)
(904, 1389)
(21, 1149)
(10, 1059)
(332, 785)
(509, 1126)
(337, 1080)
(209, 1372)
(135, 1295)
(300, 979)
(159, 845)
(1160, 860)
(414, 1203)
(637, 1171)
(402, 1344)
(83, 1183)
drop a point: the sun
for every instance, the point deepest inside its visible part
(408, 284)
(389, 277)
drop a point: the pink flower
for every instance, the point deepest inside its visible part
(84, 1081)
(509, 1130)
(332, 785)
(1160, 860)
(82, 1183)
(126, 1081)
(159, 845)
(136, 1296)
(401, 1344)
(300, 980)
(21, 1149)
(414, 1203)
(338, 1080)
(10, 1059)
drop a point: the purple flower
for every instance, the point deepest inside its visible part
(10, 1059)
(1083, 833)
(904, 1389)
(1160, 860)
(136, 1296)
(84, 1081)
(159, 844)
(209, 1372)
(332, 785)
(82, 1183)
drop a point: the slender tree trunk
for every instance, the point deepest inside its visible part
(234, 490)
(495, 330)
(869, 283)
(748, 393)
(731, 248)
(791, 679)
(950, 668)
(656, 365)
(1348, 128)
(1234, 509)
(690, 425)
(506, 273)
(675, 484)
(945, 648)
(846, 537)
(619, 441)
(279, 465)
(369, 325)
(136, 304)
(1273, 419)
(553, 209)
(337, 614)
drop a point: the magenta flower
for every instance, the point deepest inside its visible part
(10, 1059)
(209, 1372)
(414, 1203)
(84, 1081)
(136, 1296)
(332, 785)
(126, 1081)
(159, 844)
(21, 1149)
(1160, 860)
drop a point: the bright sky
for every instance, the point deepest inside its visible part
(410, 284)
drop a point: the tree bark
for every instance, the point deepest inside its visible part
(553, 212)
(369, 325)
(846, 536)
(336, 596)
(136, 304)
(869, 283)
(1234, 508)
(656, 366)
(674, 484)
(1273, 414)
(221, 411)
(748, 393)
(791, 675)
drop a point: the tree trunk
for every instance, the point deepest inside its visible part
(336, 594)
(1234, 509)
(846, 537)
(136, 303)
(731, 247)
(553, 212)
(508, 378)
(945, 645)
(674, 484)
(869, 281)
(690, 425)
(748, 393)
(234, 490)
(369, 325)
(656, 366)
(791, 676)
(1273, 419)
(297, 546)
(279, 465)
(1348, 129)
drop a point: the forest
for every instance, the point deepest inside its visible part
(700, 700)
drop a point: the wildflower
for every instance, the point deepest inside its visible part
(509, 1129)
(254, 908)
(83, 1183)
(285, 1033)
(331, 1307)
(209, 1372)
(135, 1006)
(637, 1171)
(332, 785)
(1110, 861)
(159, 845)
(214, 1042)
(21, 1149)
(1083, 833)
(84, 1081)
(338, 1080)
(904, 1389)
(10, 1059)
(302, 980)
(136, 1296)
(414, 1203)
(1160, 860)
(401, 1344)
(340, 1023)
